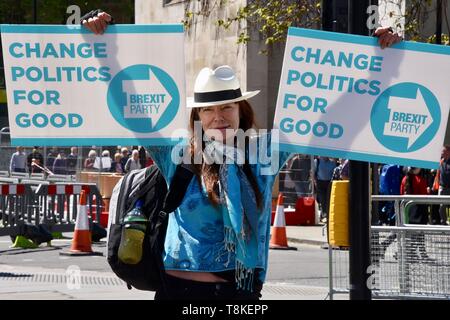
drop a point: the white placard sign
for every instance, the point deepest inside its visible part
(343, 96)
(68, 86)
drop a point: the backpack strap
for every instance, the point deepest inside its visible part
(177, 189)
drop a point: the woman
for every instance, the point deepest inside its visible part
(414, 183)
(59, 165)
(133, 163)
(116, 166)
(106, 161)
(217, 241)
(90, 160)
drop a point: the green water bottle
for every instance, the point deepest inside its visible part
(133, 232)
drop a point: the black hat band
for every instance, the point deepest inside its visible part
(217, 95)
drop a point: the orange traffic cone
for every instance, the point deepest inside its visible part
(278, 238)
(81, 242)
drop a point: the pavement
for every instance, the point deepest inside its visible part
(314, 235)
(40, 283)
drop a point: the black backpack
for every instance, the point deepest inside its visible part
(150, 186)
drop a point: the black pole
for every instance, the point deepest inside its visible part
(327, 15)
(35, 11)
(439, 22)
(333, 18)
(375, 190)
(359, 225)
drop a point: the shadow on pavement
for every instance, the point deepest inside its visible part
(14, 275)
(15, 251)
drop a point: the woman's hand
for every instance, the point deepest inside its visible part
(386, 37)
(98, 23)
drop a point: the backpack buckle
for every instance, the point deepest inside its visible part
(162, 214)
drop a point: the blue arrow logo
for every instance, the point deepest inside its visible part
(405, 117)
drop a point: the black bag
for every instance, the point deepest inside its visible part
(36, 233)
(150, 186)
(97, 232)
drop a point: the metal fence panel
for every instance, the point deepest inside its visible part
(411, 262)
(15, 209)
(408, 261)
(55, 205)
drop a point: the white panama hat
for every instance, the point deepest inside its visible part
(217, 87)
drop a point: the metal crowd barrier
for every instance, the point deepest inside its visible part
(54, 205)
(19, 176)
(58, 204)
(408, 261)
(62, 178)
(15, 207)
(4, 173)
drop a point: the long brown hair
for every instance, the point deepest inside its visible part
(210, 172)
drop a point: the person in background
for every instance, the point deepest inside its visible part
(18, 161)
(59, 165)
(90, 160)
(414, 183)
(51, 156)
(106, 161)
(133, 162)
(125, 157)
(389, 184)
(430, 176)
(336, 176)
(323, 173)
(72, 161)
(36, 166)
(116, 166)
(35, 154)
(443, 176)
(300, 168)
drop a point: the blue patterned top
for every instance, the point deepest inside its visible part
(195, 234)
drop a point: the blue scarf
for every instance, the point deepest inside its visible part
(241, 218)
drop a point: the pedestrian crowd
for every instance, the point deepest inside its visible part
(60, 161)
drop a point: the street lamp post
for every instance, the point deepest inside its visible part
(439, 22)
(35, 11)
(359, 225)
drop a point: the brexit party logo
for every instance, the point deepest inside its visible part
(405, 117)
(143, 98)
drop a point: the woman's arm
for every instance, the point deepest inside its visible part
(162, 157)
